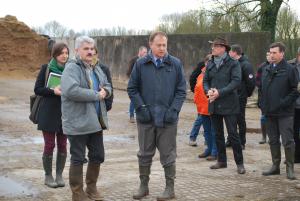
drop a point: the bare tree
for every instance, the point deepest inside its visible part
(95, 32)
(266, 11)
(38, 30)
(288, 30)
(55, 29)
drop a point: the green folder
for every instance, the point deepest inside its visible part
(53, 80)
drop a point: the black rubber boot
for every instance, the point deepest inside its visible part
(47, 164)
(143, 190)
(289, 158)
(169, 192)
(276, 159)
(60, 165)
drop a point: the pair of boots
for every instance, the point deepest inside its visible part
(60, 165)
(276, 159)
(76, 182)
(143, 190)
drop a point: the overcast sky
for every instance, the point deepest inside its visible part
(86, 15)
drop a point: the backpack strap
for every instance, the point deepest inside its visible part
(47, 75)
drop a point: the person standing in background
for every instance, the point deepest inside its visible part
(141, 53)
(106, 71)
(258, 84)
(49, 116)
(201, 101)
(296, 63)
(245, 89)
(198, 121)
(279, 93)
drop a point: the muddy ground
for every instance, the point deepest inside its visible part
(21, 145)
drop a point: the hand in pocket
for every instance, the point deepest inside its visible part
(171, 116)
(143, 114)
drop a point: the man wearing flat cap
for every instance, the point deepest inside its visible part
(221, 81)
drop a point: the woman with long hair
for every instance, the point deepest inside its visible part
(49, 115)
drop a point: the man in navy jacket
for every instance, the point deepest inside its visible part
(279, 93)
(157, 88)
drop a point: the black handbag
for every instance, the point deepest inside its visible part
(35, 102)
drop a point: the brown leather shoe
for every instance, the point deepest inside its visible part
(203, 155)
(219, 165)
(241, 169)
(211, 158)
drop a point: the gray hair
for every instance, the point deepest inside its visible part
(83, 39)
(142, 48)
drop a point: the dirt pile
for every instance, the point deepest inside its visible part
(22, 51)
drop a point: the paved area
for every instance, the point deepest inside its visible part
(21, 173)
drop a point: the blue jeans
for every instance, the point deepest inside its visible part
(196, 127)
(263, 119)
(131, 109)
(210, 136)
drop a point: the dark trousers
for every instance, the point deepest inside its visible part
(94, 143)
(296, 135)
(163, 138)
(281, 126)
(231, 125)
(241, 120)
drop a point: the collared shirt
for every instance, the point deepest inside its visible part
(155, 60)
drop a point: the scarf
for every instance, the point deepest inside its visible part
(54, 67)
(218, 60)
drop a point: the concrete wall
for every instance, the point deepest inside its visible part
(116, 51)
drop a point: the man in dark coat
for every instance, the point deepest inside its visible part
(142, 52)
(279, 93)
(221, 80)
(157, 89)
(296, 63)
(258, 84)
(245, 89)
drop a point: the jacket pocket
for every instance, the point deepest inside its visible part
(143, 115)
(171, 116)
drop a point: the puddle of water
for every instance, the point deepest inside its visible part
(106, 138)
(37, 140)
(114, 138)
(11, 188)
(9, 141)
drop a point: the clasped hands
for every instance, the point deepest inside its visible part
(102, 93)
(212, 94)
